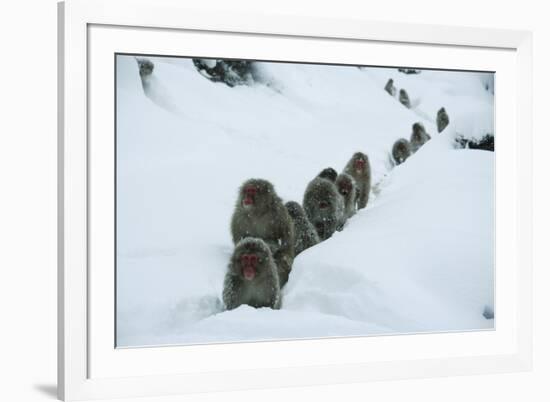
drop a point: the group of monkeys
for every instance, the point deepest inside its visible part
(268, 234)
(403, 148)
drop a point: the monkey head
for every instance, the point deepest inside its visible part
(360, 162)
(146, 67)
(418, 128)
(329, 174)
(294, 209)
(250, 258)
(345, 184)
(256, 193)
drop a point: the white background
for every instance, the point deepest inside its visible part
(28, 200)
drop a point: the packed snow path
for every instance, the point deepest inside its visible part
(418, 258)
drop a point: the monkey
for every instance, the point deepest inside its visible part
(348, 190)
(146, 67)
(404, 98)
(442, 119)
(260, 213)
(390, 88)
(324, 207)
(358, 167)
(401, 150)
(305, 234)
(419, 136)
(329, 174)
(252, 276)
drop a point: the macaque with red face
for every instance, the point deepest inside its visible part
(401, 150)
(261, 214)
(419, 136)
(442, 119)
(404, 98)
(359, 168)
(252, 277)
(324, 207)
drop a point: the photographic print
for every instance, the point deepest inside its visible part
(260, 200)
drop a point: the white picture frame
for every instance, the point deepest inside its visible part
(90, 367)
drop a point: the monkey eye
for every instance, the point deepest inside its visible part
(253, 259)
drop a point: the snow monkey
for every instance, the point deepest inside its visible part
(359, 168)
(401, 150)
(305, 234)
(329, 174)
(252, 276)
(419, 136)
(404, 98)
(145, 67)
(260, 213)
(348, 190)
(390, 88)
(442, 119)
(324, 207)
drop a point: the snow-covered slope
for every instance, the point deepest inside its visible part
(418, 258)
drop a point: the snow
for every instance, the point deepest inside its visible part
(418, 258)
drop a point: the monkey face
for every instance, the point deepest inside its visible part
(359, 165)
(249, 258)
(344, 187)
(249, 196)
(294, 209)
(249, 266)
(255, 193)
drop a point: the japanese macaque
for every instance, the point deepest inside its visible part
(252, 276)
(329, 174)
(304, 233)
(260, 213)
(146, 67)
(442, 119)
(401, 150)
(324, 207)
(390, 88)
(404, 98)
(419, 136)
(348, 190)
(359, 168)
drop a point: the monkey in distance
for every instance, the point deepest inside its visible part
(390, 88)
(419, 136)
(401, 150)
(260, 213)
(305, 234)
(358, 167)
(324, 207)
(329, 174)
(442, 119)
(348, 190)
(404, 98)
(146, 67)
(252, 277)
